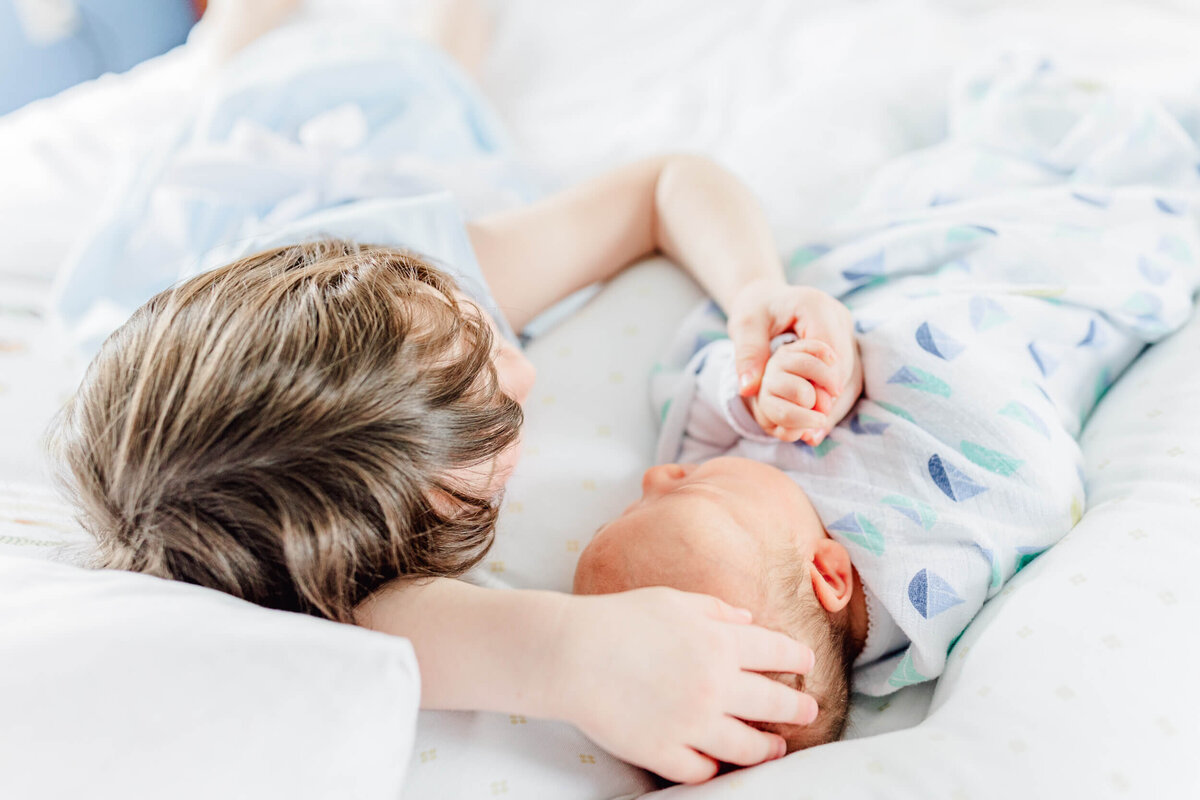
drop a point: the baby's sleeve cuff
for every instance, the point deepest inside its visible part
(718, 386)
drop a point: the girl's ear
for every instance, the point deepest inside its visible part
(832, 575)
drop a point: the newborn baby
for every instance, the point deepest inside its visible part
(745, 532)
(991, 316)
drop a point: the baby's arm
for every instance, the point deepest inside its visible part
(658, 677)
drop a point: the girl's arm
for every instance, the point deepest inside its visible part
(658, 677)
(684, 206)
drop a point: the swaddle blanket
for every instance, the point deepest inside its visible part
(1000, 282)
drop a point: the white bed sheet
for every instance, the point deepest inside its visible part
(1077, 681)
(772, 88)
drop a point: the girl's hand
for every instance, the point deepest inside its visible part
(766, 309)
(664, 679)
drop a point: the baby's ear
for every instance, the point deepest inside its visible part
(832, 575)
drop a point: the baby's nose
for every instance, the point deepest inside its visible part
(661, 478)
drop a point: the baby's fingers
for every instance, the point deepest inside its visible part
(824, 402)
(790, 387)
(816, 347)
(796, 359)
(735, 742)
(787, 415)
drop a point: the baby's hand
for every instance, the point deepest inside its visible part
(764, 310)
(797, 391)
(664, 679)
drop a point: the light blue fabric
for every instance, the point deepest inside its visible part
(315, 130)
(1000, 283)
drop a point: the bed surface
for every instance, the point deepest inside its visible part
(1075, 681)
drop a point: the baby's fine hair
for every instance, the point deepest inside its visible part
(288, 429)
(830, 680)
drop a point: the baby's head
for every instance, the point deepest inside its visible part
(297, 428)
(744, 532)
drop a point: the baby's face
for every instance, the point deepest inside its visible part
(717, 528)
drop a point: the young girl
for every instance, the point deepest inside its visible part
(326, 426)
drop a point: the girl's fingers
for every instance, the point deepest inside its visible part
(685, 765)
(752, 348)
(718, 609)
(735, 742)
(758, 698)
(761, 650)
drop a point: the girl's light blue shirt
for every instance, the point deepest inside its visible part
(314, 131)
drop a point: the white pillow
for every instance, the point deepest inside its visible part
(126, 686)
(62, 155)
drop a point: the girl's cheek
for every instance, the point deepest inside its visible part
(503, 467)
(516, 373)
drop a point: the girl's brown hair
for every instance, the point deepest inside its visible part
(288, 429)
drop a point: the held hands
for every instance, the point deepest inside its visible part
(664, 679)
(807, 386)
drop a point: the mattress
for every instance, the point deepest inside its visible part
(1076, 680)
